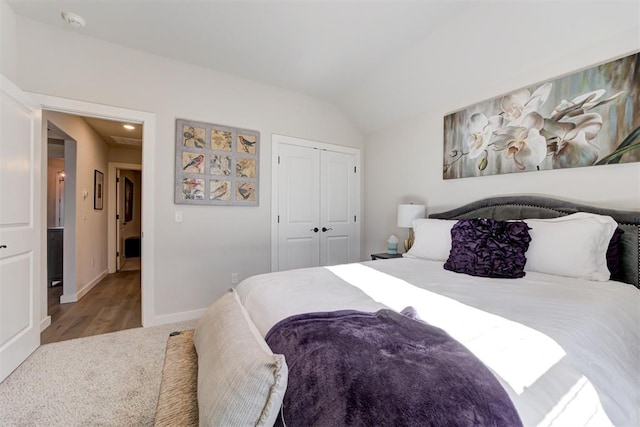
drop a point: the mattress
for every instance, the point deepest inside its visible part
(565, 350)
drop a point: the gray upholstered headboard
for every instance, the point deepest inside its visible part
(523, 207)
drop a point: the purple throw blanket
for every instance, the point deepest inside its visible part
(384, 368)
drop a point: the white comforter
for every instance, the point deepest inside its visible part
(566, 350)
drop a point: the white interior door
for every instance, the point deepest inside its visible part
(318, 205)
(20, 227)
(339, 202)
(299, 207)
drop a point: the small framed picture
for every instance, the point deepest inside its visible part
(98, 190)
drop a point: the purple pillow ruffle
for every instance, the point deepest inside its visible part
(489, 248)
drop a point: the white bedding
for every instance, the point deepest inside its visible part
(563, 348)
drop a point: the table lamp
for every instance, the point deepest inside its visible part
(406, 215)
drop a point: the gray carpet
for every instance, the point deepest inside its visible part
(104, 380)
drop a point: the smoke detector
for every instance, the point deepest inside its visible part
(76, 21)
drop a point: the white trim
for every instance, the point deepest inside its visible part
(177, 317)
(276, 140)
(75, 297)
(148, 120)
(301, 142)
(275, 199)
(112, 244)
(66, 299)
(45, 323)
(82, 292)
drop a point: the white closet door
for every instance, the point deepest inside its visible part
(20, 227)
(299, 207)
(318, 204)
(338, 206)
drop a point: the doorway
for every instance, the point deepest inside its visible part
(83, 309)
(26, 245)
(55, 209)
(61, 214)
(148, 120)
(128, 214)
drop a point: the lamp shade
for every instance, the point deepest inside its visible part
(407, 213)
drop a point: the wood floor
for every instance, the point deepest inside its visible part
(112, 305)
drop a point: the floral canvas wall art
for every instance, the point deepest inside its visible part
(588, 118)
(213, 170)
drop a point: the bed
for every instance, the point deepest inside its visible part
(565, 350)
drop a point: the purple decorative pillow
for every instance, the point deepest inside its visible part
(614, 258)
(489, 248)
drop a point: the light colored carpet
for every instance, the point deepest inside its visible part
(104, 380)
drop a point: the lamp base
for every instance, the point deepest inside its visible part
(408, 242)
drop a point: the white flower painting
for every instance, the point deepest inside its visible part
(588, 118)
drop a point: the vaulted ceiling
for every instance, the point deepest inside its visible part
(378, 61)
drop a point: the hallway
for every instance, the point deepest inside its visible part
(112, 305)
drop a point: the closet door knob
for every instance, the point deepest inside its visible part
(315, 230)
(3, 246)
(325, 229)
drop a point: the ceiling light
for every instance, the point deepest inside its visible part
(130, 127)
(76, 21)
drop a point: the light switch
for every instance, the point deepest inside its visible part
(178, 216)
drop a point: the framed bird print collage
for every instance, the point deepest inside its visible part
(216, 164)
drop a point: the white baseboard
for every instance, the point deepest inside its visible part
(45, 323)
(64, 299)
(82, 292)
(176, 317)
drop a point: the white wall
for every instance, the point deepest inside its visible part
(91, 224)
(8, 55)
(404, 162)
(488, 48)
(194, 259)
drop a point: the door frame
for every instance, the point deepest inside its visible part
(148, 120)
(276, 140)
(112, 242)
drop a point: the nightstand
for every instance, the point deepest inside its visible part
(385, 256)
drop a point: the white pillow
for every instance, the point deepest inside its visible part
(240, 381)
(574, 245)
(432, 239)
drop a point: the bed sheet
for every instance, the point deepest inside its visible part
(566, 350)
